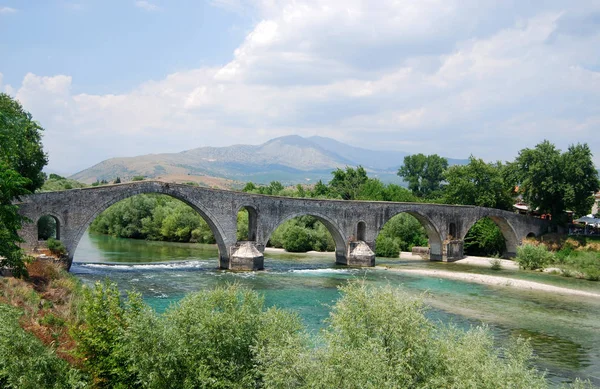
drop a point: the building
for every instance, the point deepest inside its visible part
(596, 206)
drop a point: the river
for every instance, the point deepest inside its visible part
(564, 330)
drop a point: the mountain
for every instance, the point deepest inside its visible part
(289, 159)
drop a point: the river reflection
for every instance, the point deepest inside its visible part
(564, 330)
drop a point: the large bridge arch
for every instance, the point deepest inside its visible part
(330, 224)
(165, 189)
(433, 234)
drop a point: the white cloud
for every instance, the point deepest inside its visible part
(447, 77)
(7, 10)
(146, 5)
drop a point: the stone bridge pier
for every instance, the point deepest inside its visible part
(354, 225)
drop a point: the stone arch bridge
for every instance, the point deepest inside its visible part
(354, 225)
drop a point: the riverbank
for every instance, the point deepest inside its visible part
(485, 279)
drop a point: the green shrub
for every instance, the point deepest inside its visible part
(297, 240)
(484, 239)
(532, 257)
(386, 247)
(105, 318)
(496, 264)
(56, 247)
(26, 363)
(138, 178)
(380, 338)
(405, 230)
(209, 340)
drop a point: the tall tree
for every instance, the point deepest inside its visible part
(553, 182)
(21, 142)
(347, 183)
(424, 174)
(478, 183)
(21, 161)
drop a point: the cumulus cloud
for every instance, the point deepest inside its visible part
(146, 5)
(434, 76)
(7, 10)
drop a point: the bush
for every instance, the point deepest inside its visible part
(485, 239)
(297, 240)
(56, 247)
(209, 340)
(26, 363)
(496, 264)
(386, 247)
(99, 337)
(406, 232)
(532, 257)
(380, 338)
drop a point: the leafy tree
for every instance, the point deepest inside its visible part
(21, 161)
(297, 240)
(478, 183)
(348, 183)
(55, 177)
(249, 187)
(553, 182)
(117, 181)
(320, 190)
(21, 142)
(485, 239)
(401, 233)
(424, 174)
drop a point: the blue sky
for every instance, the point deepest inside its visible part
(124, 78)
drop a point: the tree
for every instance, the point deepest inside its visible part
(478, 183)
(424, 174)
(21, 142)
(21, 161)
(347, 184)
(552, 182)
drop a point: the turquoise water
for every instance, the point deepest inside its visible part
(564, 330)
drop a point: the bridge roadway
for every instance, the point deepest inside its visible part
(354, 225)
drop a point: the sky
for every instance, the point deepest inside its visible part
(454, 77)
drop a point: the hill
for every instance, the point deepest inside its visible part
(289, 159)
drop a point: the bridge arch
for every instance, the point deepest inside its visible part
(252, 221)
(334, 230)
(160, 189)
(433, 234)
(508, 232)
(58, 224)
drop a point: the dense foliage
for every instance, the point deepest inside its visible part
(153, 217)
(424, 174)
(478, 183)
(401, 233)
(226, 338)
(25, 363)
(485, 239)
(56, 182)
(553, 182)
(21, 161)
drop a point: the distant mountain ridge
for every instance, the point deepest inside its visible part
(289, 159)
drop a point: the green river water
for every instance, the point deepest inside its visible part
(564, 330)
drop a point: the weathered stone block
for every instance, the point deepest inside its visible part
(246, 256)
